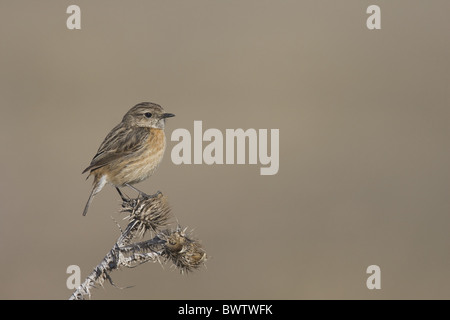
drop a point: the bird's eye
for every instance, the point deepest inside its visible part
(148, 115)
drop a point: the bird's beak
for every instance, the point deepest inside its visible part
(168, 115)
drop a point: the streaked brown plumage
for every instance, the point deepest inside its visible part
(132, 151)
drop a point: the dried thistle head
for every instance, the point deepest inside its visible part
(185, 252)
(150, 212)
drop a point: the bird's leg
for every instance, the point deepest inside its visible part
(137, 190)
(121, 194)
(143, 194)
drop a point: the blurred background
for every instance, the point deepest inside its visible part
(363, 116)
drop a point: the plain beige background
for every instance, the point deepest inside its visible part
(364, 144)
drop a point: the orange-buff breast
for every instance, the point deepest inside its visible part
(138, 166)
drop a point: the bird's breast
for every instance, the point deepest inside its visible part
(140, 166)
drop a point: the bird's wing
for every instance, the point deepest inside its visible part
(121, 141)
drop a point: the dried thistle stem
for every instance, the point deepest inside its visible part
(145, 213)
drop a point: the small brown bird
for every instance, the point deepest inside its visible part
(132, 151)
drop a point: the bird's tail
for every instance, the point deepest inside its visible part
(98, 186)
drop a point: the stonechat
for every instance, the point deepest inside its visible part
(132, 151)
